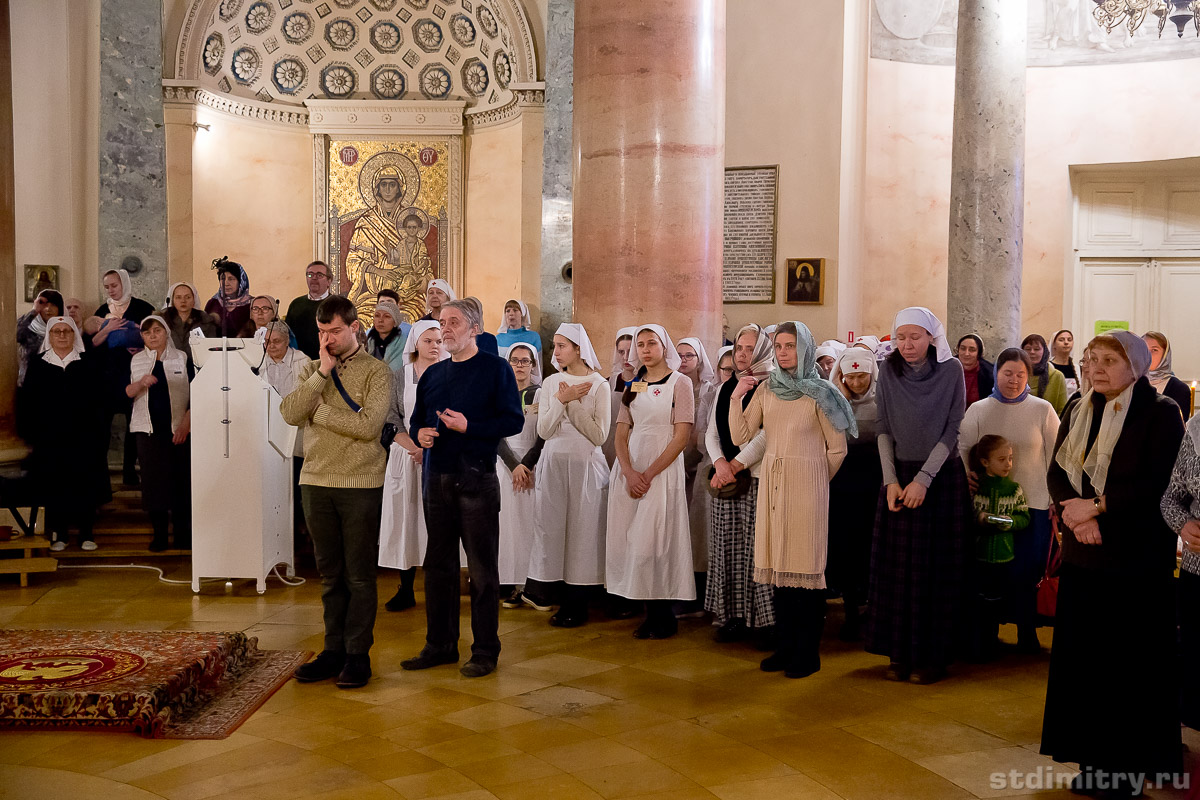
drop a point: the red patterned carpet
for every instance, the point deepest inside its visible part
(162, 684)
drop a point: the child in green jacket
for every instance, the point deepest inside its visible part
(1000, 510)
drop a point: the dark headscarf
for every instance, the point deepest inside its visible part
(223, 265)
(1041, 369)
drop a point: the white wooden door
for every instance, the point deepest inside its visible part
(1114, 289)
(1177, 315)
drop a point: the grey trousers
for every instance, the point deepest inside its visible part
(344, 524)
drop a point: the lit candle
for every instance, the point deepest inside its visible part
(1192, 410)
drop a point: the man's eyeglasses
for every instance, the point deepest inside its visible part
(521, 362)
(311, 275)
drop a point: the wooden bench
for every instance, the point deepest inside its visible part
(29, 562)
(16, 491)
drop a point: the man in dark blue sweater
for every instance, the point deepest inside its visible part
(464, 407)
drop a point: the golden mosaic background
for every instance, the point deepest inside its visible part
(346, 194)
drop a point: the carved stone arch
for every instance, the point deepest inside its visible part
(189, 45)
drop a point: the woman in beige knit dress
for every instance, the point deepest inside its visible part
(805, 419)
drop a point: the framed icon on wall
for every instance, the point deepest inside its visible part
(805, 281)
(39, 277)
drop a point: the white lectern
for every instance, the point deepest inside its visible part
(241, 467)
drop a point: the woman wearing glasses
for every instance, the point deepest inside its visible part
(572, 482)
(518, 458)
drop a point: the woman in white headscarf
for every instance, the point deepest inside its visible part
(624, 367)
(517, 468)
(1112, 697)
(160, 388)
(648, 551)
(694, 363)
(517, 327)
(117, 336)
(739, 605)
(572, 483)
(854, 487)
(806, 421)
(437, 294)
(919, 551)
(184, 319)
(402, 533)
(67, 466)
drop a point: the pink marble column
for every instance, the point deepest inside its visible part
(648, 178)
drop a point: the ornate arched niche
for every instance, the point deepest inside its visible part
(385, 87)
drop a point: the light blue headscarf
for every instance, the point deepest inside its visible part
(805, 381)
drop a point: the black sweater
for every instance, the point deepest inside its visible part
(1134, 537)
(483, 390)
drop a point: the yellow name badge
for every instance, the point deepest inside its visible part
(640, 386)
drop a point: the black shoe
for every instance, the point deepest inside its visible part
(326, 665)
(402, 600)
(776, 662)
(852, 628)
(356, 672)
(428, 657)
(535, 602)
(620, 608)
(158, 544)
(732, 631)
(654, 628)
(803, 668)
(569, 618)
(478, 666)
(924, 677)
(514, 600)
(897, 672)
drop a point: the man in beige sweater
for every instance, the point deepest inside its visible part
(342, 403)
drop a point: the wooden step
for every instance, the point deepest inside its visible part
(23, 566)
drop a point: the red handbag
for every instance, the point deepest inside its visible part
(1047, 588)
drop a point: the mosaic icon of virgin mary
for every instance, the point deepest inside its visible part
(387, 249)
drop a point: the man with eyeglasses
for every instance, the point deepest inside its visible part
(465, 406)
(302, 312)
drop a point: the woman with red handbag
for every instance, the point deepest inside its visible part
(1110, 699)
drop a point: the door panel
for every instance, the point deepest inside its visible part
(1179, 313)
(1114, 289)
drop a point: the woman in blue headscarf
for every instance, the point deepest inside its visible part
(806, 421)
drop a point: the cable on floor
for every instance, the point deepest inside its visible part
(164, 579)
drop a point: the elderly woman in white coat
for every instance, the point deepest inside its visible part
(648, 550)
(572, 484)
(516, 470)
(402, 534)
(160, 387)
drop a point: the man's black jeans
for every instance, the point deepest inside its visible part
(462, 505)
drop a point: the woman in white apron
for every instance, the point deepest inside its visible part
(649, 549)
(696, 462)
(572, 482)
(402, 533)
(624, 367)
(515, 468)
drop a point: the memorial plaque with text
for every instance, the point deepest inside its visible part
(751, 194)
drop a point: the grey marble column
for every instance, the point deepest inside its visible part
(133, 186)
(556, 167)
(987, 191)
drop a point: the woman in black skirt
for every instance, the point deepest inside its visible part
(159, 385)
(919, 555)
(1111, 700)
(851, 515)
(62, 426)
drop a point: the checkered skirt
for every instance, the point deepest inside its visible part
(919, 566)
(732, 592)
